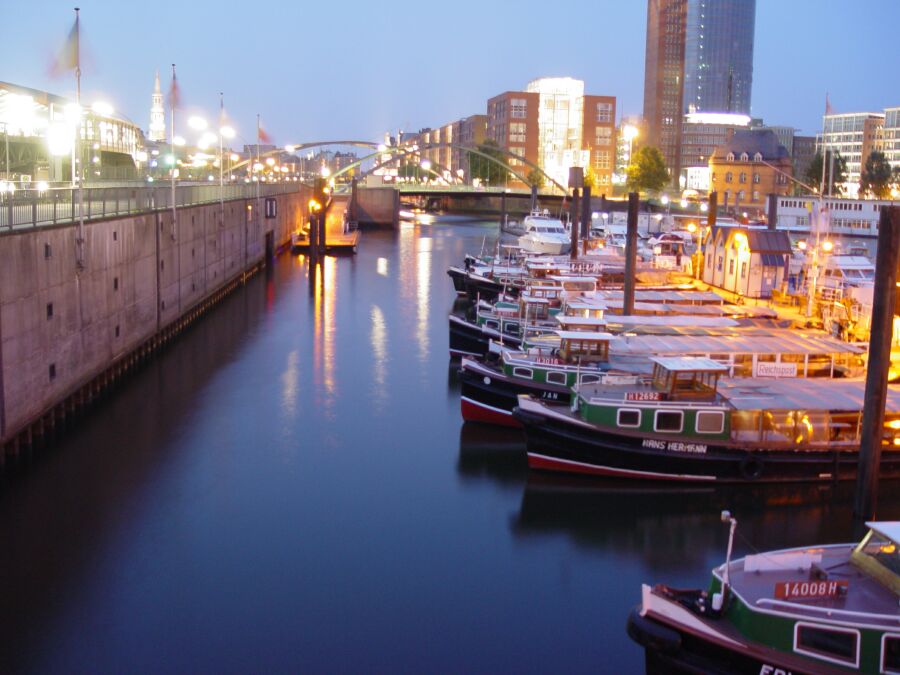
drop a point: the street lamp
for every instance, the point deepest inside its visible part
(630, 132)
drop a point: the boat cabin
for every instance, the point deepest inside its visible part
(576, 323)
(551, 293)
(584, 346)
(573, 284)
(535, 307)
(686, 377)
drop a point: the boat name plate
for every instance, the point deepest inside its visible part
(675, 446)
(790, 590)
(645, 396)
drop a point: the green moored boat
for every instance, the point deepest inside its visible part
(822, 609)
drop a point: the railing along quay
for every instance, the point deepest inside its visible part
(30, 208)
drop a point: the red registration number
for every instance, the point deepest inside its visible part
(790, 590)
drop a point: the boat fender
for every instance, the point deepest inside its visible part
(751, 467)
(652, 635)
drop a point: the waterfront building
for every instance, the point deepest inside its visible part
(39, 129)
(512, 123)
(699, 59)
(750, 262)
(555, 125)
(803, 151)
(749, 167)
(157, 129)
(843, 218)
(854, 136)
(468, 132)
(890, 141)
(701, 134)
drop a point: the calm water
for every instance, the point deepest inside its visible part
(290, 488)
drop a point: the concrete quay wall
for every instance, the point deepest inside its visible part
(66, 333)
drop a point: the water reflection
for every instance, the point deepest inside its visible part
(487, 451)
(678, 529)
(324, 280)
(378, 338)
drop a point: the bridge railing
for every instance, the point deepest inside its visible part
(27, 208)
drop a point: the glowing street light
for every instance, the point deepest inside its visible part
(197, 123)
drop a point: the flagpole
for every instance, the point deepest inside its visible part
(257, 161)
(174, 158)
(819, 220)
(221, 155)
(76, 149)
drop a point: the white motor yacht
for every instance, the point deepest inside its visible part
(544, 234)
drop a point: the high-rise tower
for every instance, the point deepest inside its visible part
(699, 59)
(157, 114)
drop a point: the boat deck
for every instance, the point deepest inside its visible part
(866, 603)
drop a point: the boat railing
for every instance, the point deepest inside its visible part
(829, 612)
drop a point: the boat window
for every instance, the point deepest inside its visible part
(511, 328)
(743, 365)
(526, 373)
(588, 379)
(710, 421)
(629, 417)
(668, 420)
(830, 644)
(745, 425)
(819, 365)
(556, 377)
(490, 323)
(890, 654)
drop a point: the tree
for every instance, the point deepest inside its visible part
(491, 172)
(536, 178)
(876, 176)
(834, 179)
(647, 171)
(590, 179)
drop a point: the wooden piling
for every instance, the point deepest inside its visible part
(631, 232)
(881, 334)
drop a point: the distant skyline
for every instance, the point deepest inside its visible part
(314, 73)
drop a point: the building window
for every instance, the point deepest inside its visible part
(743, 270)
(604, 112)
(731, 267)
(601, 159)
(602, 135)
(755, 196)
(741, 195)
(519, 108)
(756, 178)
(47, 251)
(719, 264)
(745, 157)
(52, 371)
(517, 132)
(757, 157)
(728, 176)
(730, 157)
(742, 178)
(49, 310)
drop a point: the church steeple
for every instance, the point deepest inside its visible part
(157, 114)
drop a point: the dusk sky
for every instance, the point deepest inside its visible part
(352, 70)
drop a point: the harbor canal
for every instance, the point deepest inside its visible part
(290, 487)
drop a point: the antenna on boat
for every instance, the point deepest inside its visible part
(718, 598)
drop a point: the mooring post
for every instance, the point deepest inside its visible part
(585, 217)
(880, 337)
(712, 211)
(533, 199)
(573, 224)
(502, 209)
(631, 232)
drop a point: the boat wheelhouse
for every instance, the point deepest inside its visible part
(687, 424)
(819, 609)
